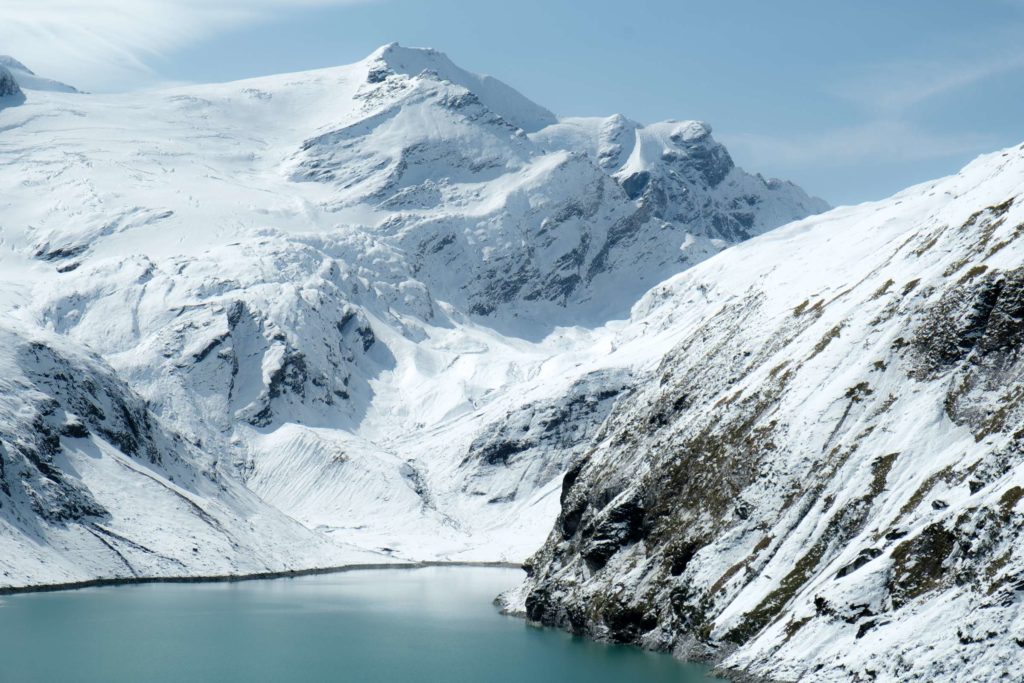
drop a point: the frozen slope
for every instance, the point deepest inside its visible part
(818, 477)
(365, 298)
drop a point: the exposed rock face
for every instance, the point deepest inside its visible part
(674, 172)
(53, 393)
(92, 483)
(821, 479)
(50, 394)
(537, 442)
(8, 86)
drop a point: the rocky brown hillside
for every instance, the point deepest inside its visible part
(820, 482)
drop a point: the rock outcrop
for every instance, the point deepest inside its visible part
(9, 88)
(820, 481)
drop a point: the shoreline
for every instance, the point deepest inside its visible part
(714, 670)
(238, 578)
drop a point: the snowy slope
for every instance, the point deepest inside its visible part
(394, 59)
(322, 287)
(29, 80)
(818, 477)
(93, 485)
(376, 312)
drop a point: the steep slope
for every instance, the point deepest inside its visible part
(29, 80)
(93, 485)
(498, 97)
(10, 93)
(819, 478)
(327, 283)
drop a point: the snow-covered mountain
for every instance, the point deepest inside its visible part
(317, 290)
(93, 485)
(27, 79)
(374, 313)
(818, 478)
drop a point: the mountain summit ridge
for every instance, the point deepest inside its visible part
(495, 94)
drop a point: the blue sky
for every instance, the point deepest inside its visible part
(853, 100)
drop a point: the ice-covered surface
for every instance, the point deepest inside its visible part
(356, 307)
(819, 479)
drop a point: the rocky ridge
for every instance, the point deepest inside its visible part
(819, 481)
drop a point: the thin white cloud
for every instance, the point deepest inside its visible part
(894, 88)
(874, 141)
(885, 98)
(105, 43)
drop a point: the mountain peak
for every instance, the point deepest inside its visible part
(26, 78)
(500, 98)
(12, 63)
(406, 59)
(691, 131)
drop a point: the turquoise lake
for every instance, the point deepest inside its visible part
(428, 625)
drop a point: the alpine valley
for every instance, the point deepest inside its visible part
(396, 312)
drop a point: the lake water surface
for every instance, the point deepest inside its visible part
(431, 625)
